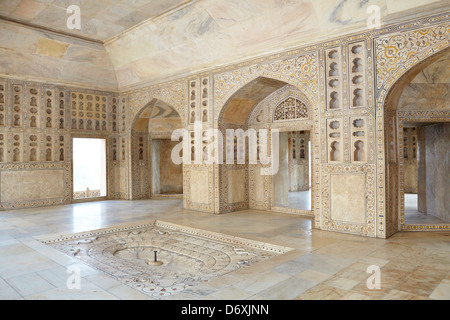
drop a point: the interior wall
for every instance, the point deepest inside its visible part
(438, 170)
(37, 123)
(341, 78)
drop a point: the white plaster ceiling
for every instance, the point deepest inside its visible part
(125, 44)
(100, 19)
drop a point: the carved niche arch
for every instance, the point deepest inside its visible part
(156, 120)
(300, 72)
(273, 108)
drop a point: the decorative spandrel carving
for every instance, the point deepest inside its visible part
(301, 71)
(290, 109)
(394, 51)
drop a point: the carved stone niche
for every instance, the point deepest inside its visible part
(358, 139)
(333, 78)
(334, 140)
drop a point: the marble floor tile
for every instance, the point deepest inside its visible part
(29, 284)
(442, 291)
(261, 281)
(322, 265)
(7, 292)
(342, 283)
(422, 281)
(322, 292)
(313, 275)
(229, 293)
(288, 289)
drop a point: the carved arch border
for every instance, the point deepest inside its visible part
(395, 51)
(300, 72)
(174, 95)
(269, 104)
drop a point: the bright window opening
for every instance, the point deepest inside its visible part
(89, 168)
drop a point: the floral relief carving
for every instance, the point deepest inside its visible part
(393, 51)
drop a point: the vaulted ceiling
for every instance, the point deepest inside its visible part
(129, 43)
(100, 19)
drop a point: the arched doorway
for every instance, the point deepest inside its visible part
(417, 144)
(249, 113)
(153, 173)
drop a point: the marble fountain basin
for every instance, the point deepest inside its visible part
(185, 256)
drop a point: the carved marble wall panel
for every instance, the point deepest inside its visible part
(28, 185)
(236, 186)
(32, 185)
(348, 199)
(259, 188)
(198, 187)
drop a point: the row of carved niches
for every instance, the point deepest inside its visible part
(298, 146)
(141, 148)
(118, 148)
(89, 112)
(357, 59)
(50, 98)
(358, 139)
(335, 140)
(2, 148)
(334, 78)
(32, 147)
(123, 113)
(199, 100)
(2, 104)
(410, 144)
(17, 106)
(205, 142)
(115, 113)
(53, 114)
(34, 108)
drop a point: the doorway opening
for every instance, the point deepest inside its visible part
(292, 183)
(89, 168)
(425, 175)
(167, 177)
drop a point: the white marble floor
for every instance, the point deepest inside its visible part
(413, 216)
(323, 265)
(300, 200)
